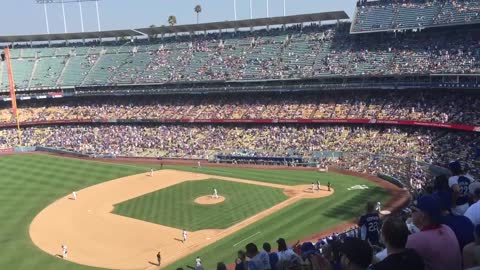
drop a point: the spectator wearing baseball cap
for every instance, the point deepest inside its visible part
(460, 225)
(394, 234)
(473, 212)
(471, 252)
(459, 183)
(431, 241)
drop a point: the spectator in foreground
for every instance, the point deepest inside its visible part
(273, 256)
(258, 260)
(460, 225)
(471, 252)
(286, 257)
(356, 254)
(431, 242)
(459, 183)
(221, 266)
(473, 212)
(394, 234)
(241, 261)
(369, 224)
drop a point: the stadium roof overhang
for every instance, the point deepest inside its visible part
(187, 28)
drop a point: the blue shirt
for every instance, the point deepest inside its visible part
(462, 227)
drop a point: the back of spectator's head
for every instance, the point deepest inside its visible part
(441, 183)
(455, 167)
(445, 200)
(251, 249)
(221, 266)
(370, 207)
(282, 245)
(241, 254)
(356, 253)
(308, 249)
(426, 211)
(395, 232)
(267, 247)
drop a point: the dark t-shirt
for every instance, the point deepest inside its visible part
(273, 260)
(406, 260)
(462, 227)
(371, 221)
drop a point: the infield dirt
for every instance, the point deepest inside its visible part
(96, 237)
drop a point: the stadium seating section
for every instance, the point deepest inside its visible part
(292, 53)
(390, 15)
(427, 106)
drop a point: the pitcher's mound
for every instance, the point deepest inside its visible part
(209, 199)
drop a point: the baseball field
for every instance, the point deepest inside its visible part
(123, 216)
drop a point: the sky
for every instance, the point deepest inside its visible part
(21, 17)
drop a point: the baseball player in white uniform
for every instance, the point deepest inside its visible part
(151, 171)
(199, 164)
(318, 185)
(74, 194)
(198, 261)
(313, 187)
(215, 193)
(378, 208)
(184, 235)
(64, 252)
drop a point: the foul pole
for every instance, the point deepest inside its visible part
(11, 83)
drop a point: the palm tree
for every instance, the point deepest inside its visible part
(198, 9)
(172, 20)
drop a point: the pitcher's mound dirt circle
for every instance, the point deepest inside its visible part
(209, 200)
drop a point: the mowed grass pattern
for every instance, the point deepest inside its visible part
(297, 221)
(30, 183)
(174, 206)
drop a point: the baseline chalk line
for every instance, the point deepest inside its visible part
(247, 238)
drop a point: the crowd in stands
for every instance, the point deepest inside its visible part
(439, 230)
(281, 53)
(446, 107)
(413, 14)
(375, 149)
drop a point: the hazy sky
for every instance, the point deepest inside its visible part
(27, 17)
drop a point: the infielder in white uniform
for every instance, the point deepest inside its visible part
(64, 252)
(198, 261)
(313, 187)
(318, 185)
(74, 194)
(215, 194)
(184, 235)
(151, 171)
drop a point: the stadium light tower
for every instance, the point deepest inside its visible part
(45, 2)
(235, 9)
(251, 10)
(268, 10)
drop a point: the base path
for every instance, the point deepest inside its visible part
(98, 238)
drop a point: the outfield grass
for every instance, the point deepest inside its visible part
(31, 182)
(174, 206)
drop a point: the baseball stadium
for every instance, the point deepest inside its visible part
(313, 141)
